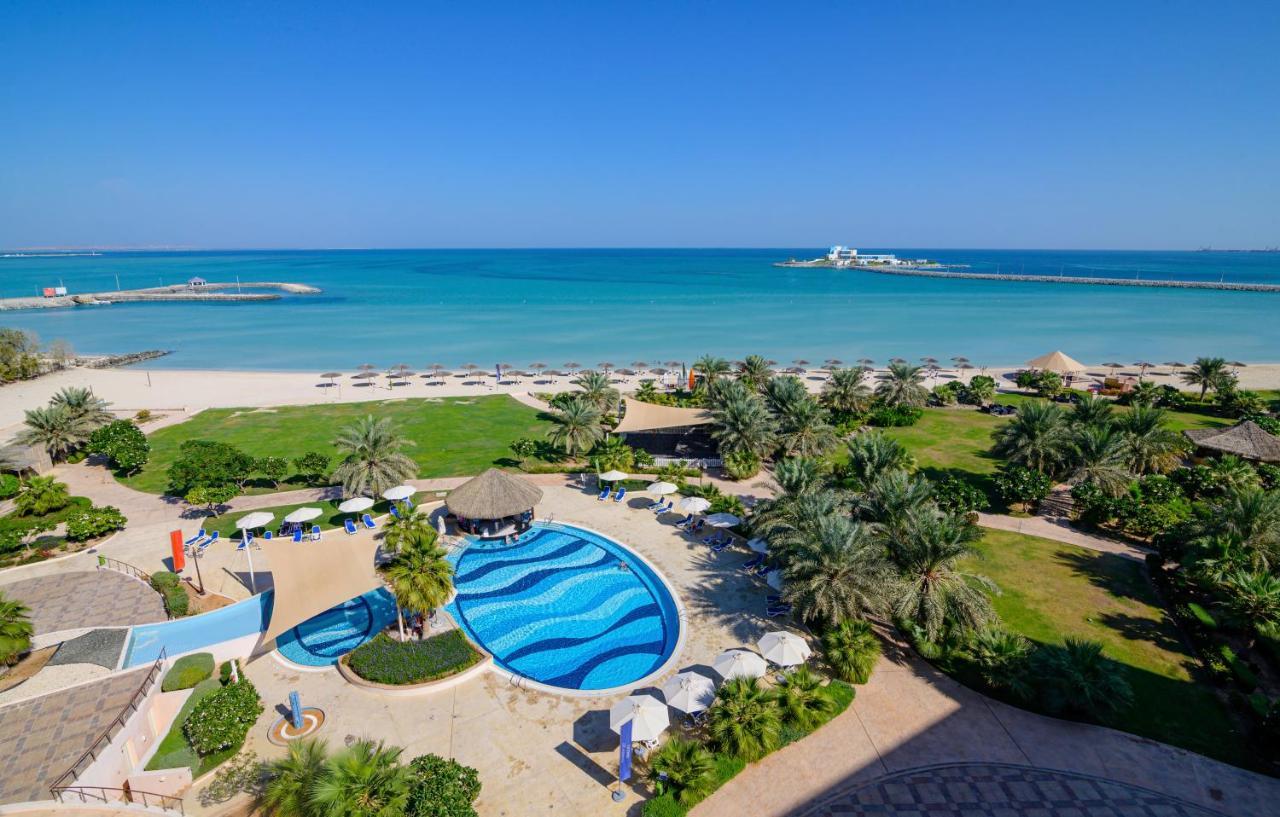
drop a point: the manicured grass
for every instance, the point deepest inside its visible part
(174, 751)
(1052, 590)
(387, 661)
(454, 436)
(332, 518)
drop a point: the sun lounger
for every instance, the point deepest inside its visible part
(763, 570)
(349, 525)
(368, 521)
(655, 505)
(603, 495)
(685, 521)
(778, 610)
(395, 511)
(618, 496)
(773, 599)
(194, 539)
(408, 504)
(297, 534)
(315, 533)
(753, 562)
(245, 541)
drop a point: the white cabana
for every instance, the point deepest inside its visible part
(661, 488)
(303, 515)
(689, 692)
(647, 714)
(399, 492)
(356, 504)
(758, 545)
(693, 504)
(784, 649)
(739, 664)
(612, 476)
(722, 520)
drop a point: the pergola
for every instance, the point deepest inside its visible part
(666, 431)
(494, 504)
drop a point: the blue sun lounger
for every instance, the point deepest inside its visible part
(368, 521)
(315, 533)
(754, 562)
(297, 534)
(348, 525)
(395, 511)
(683, 522)
(618, 496)
(246, 541)
(194, 539)
(203, 546)
(603, 495)
(773, 611)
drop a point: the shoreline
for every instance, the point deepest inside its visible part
(1153, 283)
(206, 293)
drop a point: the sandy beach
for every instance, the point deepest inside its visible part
(178, 394)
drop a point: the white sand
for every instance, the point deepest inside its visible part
(180, 393)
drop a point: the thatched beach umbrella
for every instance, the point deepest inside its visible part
(928, 360)
(605, 367)
(801, 362)
(537, 367)
(959, 359)
(639, 364)
(1142, 367)
(659, 371)
(366, 367)
(331, 376)
(1237, 364)
(796, 370)
(1174, 364)
(834, 363)
(365, 376)
(866, 361)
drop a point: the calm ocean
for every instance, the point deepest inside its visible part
(519, 306)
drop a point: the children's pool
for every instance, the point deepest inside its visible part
(565, 607)
(322, 640)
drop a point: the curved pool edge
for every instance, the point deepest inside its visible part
(524, 682)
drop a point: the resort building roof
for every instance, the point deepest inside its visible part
(649, 417)
(312, 577)
(1056, 361)
(1245, 439)
(493, 495)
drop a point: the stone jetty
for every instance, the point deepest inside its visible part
(208, 292)
(1073, 279)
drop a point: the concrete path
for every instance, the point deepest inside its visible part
(910, 715)
(1060, 530)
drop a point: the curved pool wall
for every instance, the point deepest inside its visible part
(558, 608)
(242, 620)
(321, 640)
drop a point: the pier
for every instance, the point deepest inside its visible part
(1073, 279)
(205, 293)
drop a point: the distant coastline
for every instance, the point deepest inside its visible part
(204, 292)
(921, 272)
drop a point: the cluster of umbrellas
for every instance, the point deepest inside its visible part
(690, 692)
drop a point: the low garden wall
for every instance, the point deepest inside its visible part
(482, 664)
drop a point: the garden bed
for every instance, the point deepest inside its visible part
(386, 663)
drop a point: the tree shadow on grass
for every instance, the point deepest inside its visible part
(1121, 577)
(1135, 628)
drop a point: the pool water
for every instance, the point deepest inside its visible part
(565, 607)
(320, 641)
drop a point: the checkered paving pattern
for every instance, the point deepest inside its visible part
(41, 738)
(992, 790)
(99, 598)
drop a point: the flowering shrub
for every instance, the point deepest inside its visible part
(384, 660)
(94, 522)
(222, 719)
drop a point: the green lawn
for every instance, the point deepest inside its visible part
(174, 752)
(1053, 590)
(454, 436)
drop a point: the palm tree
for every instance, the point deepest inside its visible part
(744, 720)
(55, 429)
(904, 386)
(1207, 373)
(1037, 437)
(803, 430)
(754, 371)
(781, 393)
(845, 392)
(1253, 597)
(421, 578)
(742, 425)
(15, 630)
(84, 404)
(798, 475)
(838, 572)
(577, 427)
(981, 389)
(1077, 678)
(41, 496)
(365, 780)
(1231, 474)
(683, 768)
(372, 459)
(874, 453)
(799, 696)
(292, 778)
(711, 368)
(792, 520)
(895, 499)
(611, 453)
(851, 649)
(1145, 393)
(1001, 659)
(1152, 446)
(1248, 521)
(597, 392)
(935, 591)
(1092, 410)
(408, 529)
(1099, 457)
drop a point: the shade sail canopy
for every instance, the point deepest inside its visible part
(648, 417)
(689, 692)
(303, 515)
(356, 504)
(647, 714)
(613, 476)
(1056, 362)
(784, 649)
(1245, 439)
(739, 664)
(493, 495)
(255, 520)
(661, 488)
(694, 504)
(312, 578)
(399, 492)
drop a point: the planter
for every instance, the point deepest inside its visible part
(405, 690)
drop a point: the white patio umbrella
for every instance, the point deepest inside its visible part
(739, 664)
(356, 504)
(245, 524)
(689, 692)
(784, 649)
(399, 492)
(694, 504)
(661, 488)
(758, 545)
(303, 515)
(647, 714)
(612, 476)
(722, 520)
(774, 580)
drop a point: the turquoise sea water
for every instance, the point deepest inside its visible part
(519, 306)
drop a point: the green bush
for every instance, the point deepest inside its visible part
(222, 720)
(169, 586)
(894, 416)
(188, 671)
(741, 465)
(123, 443)
(959, 497)
(9, 486)
(94, 522)
(164, 579)
(1022, 485)
(441, 788)
(383, 660)
(1239, 670)
(1203, 616)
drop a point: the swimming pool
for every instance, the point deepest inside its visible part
(322, 640)
(565, 607)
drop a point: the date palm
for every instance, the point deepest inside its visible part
(799, 696)
(803, 430)
(1092, 410)
(83, 403)
(904, 386)
(408, 529)
(55, 429)
(837, 572)
(1077, 678)
(935, 592)
(742, 425)
(1253, 597)
(1099, 456)
(846, 392)
(291, 779)
(754, 371)
(874, 453)
(745, 721)
(711, 368)
(1207, 373)
(421, 578)
(895, 499)
(596, 391)
(782, 393)
(1037, 437)
(372, 457)
(683, 768)
(577, 427)
(15, 630)
(792, 520)
(1247, 522)
(798, 475)
(1153, 448)
(365, 780)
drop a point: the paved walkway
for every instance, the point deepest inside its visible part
(910, 715)
(42, 737)
(98, 598)
(1060, 530)
(997, 790)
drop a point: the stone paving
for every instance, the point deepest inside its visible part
(98, 598)
(991, 790)
(40, 738)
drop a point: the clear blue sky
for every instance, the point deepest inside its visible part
(887, 124)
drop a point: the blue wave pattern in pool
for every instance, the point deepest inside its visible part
(558, 607)
(321, 640)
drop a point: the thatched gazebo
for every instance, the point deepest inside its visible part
(494, 504)
(1246, 439)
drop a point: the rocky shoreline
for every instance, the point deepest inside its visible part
(1068, 279)
(113, 361)
(205, 293)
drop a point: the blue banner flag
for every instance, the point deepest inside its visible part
(624, 754)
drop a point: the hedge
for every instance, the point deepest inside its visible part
(169, 586)
(383, 660)
(188, 671)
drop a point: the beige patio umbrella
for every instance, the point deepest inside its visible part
(1056, 361)
(739, 664)
(647, 714)
(612, 476)
(694, 504)
(784, 649)
(689, 692)
(662, 488)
